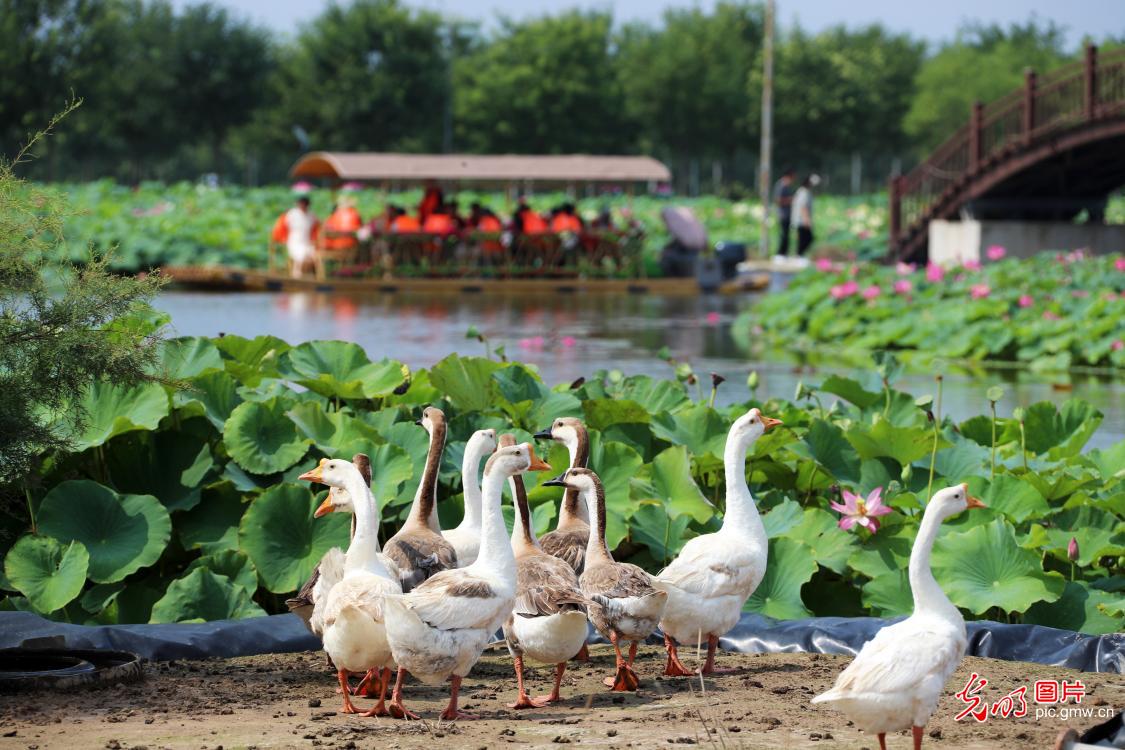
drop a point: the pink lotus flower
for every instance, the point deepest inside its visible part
(1117, 345)
(847, 289)
(872, 292)
(980, 291)
(1026, 300)
(972, 264)
(1119, 264)
(1049, 315)
(825, 265)
(569, 341)
(713, 318)
(935, 274)
(904, 269)
(535, 342)
(302, 187)
(904, 286)
(1072, 549)
(856, 510)
(996, 252)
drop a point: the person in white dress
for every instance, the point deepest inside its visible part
(301, 224)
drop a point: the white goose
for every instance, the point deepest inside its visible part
(466, 537)
(715, 574)
(440, 628)
(548, 622)
(896, 680)
(354, 635)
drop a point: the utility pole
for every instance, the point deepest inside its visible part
(767, 130)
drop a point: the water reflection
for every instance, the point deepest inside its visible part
(568, 336)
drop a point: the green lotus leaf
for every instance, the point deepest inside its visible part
(122, 533)
(850, 390)
(617, 464)
(964, 459)
(249, 360)
(888, 594)
(1011, 496)
(188, 357)
(826, 444)
(979, 430)
(886, 552)
(781, 518)
(541, 517)
(984, 567)
(341, 369)
(336, 433)
(819, 531)
(98, 597)
(419, 393)
(790, 567)
(528, 402)
(215, 392)
(601, 414)
(904, 444)
(233, 564)
(391, 469)
(1068, 429)
(1080, 608)
(1110, 461)
(654, 395)
(674, 486)
(170, 465)
(112, 410)
(262, 439)
(1098, 532)
(49, 574)
(284, 541)
(212, 526)
(702, 429)
(204, 596)
(466, 381)
(655, 527)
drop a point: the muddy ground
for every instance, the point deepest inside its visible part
(288, 701)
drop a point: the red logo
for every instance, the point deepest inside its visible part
(1014, 704)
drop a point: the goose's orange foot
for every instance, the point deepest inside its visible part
(399, 711)
(455, 715)
(625, 680)
(525, 701)
(721, 670)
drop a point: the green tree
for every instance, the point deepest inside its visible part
(60, 328)
(685, 83)
(542, 86)
(981, 63)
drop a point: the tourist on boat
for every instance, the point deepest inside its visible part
(783, 193)
(803, 212)
(296, 229)
(604, 220)
(404, 223)
(566, 220)
(339, 231)
(431, 199)
(440, 222)
(527, 221)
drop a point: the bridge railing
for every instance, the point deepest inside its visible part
(1090, 89)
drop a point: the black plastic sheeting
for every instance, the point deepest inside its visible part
(826, 635)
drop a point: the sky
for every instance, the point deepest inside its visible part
(929, 20)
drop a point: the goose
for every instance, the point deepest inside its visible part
(418, 549)
(466, 537)
(548, 621)
(354, 635)
(568, 541)
(626, 603)
(896, 679)
(330, 569)
(715, 574)
(439, 629)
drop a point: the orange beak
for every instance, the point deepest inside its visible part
(315, 474)
(768, 423)
(325, 508)
(971, 501)
(537, 464)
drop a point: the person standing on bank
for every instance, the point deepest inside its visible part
(783, 197)
(803, 213)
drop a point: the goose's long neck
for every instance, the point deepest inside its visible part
(424, 509)
(523, 535)
(573, 507)
(928, 596)
(596, 549)
(470, 467)
(363, 552)
(495, 549)
(741, 512)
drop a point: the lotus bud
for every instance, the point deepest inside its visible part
(1072, 550)
(716, 380)
(752, 380)
(907, 473)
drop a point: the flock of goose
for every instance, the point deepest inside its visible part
(429, 601)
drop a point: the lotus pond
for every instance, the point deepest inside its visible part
(181, 503)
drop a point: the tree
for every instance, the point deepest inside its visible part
(60, 329)
(685, 84)
(982, 63)
(541, 86)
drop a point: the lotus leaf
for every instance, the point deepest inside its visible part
(789, 568)
(1098, 533)
(337, 434)
(212, 526)
(341, 369)
(233, 564)
(203, 596)
(826, 444)
(889, 593)
(249, 360)
(112, 410)
(702, 429)
(672, 481)
(188, 357)
(659, 529)
(49, 574)
(173, 466)
(216, 393)
(1080, 608)
(466, 381)
(262, 439)
(121, 533)
(830, 545)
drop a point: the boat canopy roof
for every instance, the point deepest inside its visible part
(511, 169)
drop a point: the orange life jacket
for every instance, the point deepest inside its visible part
(280, 232)
(439, 224)
(565, 223)
(344, 219)
(533, 223)
(405, 224)
(489, 224)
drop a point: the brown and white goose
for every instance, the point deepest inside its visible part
(548, 620)
(626, 603)
(419, 550)
(568, 541)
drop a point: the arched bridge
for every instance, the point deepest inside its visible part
(1046, 151)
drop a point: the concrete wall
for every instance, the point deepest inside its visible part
(954, 242)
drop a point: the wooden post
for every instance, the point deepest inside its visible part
(1091, 80)
(976, 121)
(1029, 83)
(894, 191)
